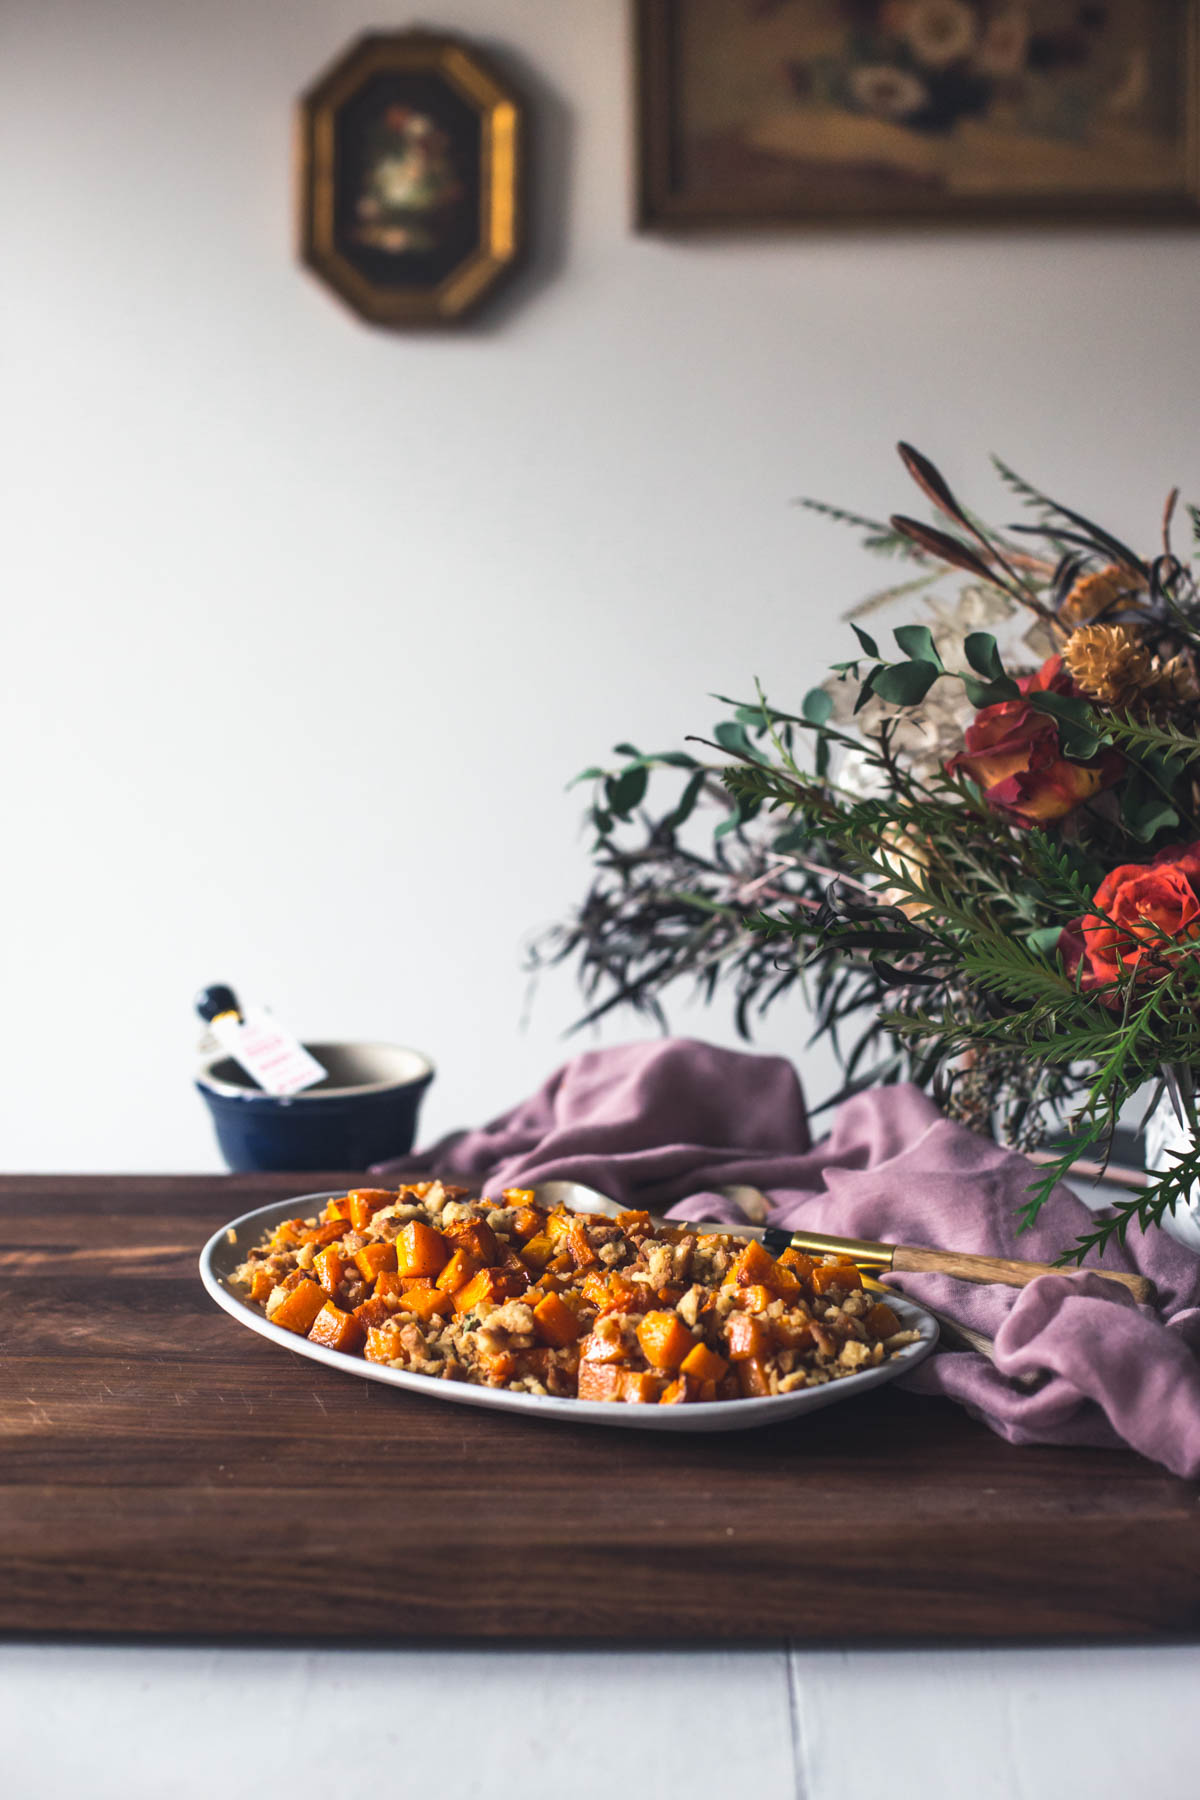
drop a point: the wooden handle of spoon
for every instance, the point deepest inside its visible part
(912, 1260)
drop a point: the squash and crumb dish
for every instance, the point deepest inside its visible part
(508, 1294)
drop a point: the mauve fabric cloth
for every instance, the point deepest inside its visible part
(660, 1125)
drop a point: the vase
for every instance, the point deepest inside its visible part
(1165, 1133)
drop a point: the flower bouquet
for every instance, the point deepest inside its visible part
(979, 853)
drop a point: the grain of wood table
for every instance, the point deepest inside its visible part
(166, 1473)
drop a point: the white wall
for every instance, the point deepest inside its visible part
(306, 625)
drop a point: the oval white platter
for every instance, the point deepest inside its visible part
(227, 1249)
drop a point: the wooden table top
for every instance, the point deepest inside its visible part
(165, 1472)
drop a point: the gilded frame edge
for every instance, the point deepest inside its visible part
(658, 207)
(503, 175)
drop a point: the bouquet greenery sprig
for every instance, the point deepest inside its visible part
(982, 860)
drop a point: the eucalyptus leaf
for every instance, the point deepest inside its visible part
(906, 684)
(916, 641)
(817, 706)
(983, 654)
(865, 639)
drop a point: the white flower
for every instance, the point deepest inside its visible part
(939, 32)
(887, 92)
(1004, 44)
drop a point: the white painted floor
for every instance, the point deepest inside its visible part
(114, 1723)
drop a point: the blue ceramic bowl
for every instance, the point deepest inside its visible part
(365, 1110)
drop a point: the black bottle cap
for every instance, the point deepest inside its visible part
(211, 1001)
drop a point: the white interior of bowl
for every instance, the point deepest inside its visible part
(352, 1069)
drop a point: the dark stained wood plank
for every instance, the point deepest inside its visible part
(163, 1471)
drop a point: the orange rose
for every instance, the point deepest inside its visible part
(1140, 908)
(1014, 753)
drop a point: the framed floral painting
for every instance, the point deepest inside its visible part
(410, 178)
(774, 110)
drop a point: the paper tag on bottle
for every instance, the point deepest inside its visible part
(278, 1061)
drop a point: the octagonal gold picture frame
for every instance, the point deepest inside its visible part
(495, 191)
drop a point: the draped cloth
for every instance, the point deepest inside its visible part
(661, 1125)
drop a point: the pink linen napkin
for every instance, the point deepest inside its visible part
(661, 1124)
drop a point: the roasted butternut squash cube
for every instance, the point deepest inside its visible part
(881, 1321)
(835, 1274)
(679, 1392)
(638, 1223)
(600, 1381)
(797, 1262)
(389, 1285)
(755, 1299)
(745, 1337)
(703, 1364)
(754, 1266)
(383, 1344)
(364, 1203)
(490, 1284)
(420, 1250)
(784, 1282)
(752, 1378)
(579, 1246)
(665, 1339)
(518, 1196)
(373, 1259)
(638, 1388)
(296, 1308)
(329, 1268)
(327, 1233)
(375, 1311)
(537, 1251)
(554, 1322)
(457, 1272)
(262, 1284)
(426, 1303)
(336, 1329)
(527, 1223)
(791, 1332)
(478, 1239)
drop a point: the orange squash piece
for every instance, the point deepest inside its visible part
(554, 1322)
(496, 1285)
(755, 1299)
(376, 1311)
(634, 1222)
(831, 1275)
(797, 1261)
(665, 1340)
(600, 1381)
(383, 1344)
(296, 1309)
(754, 1266)
(744, 1336)
(478, 1239)
(336, 1329)
(262, 1284)
(373, 1259)
(641, 1389)
(703, 1364)
(752, 1378)
(420, 1250)
(364, 1203)
(426, 1303)
(881, 1321)
(537, 1251)
(679, 1392)
(528, 1221)
(457, 1272)
(784, 1282)
(329, 1268)
(582, 1254)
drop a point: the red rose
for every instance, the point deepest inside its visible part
(1014, 753)
(1140, 908)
